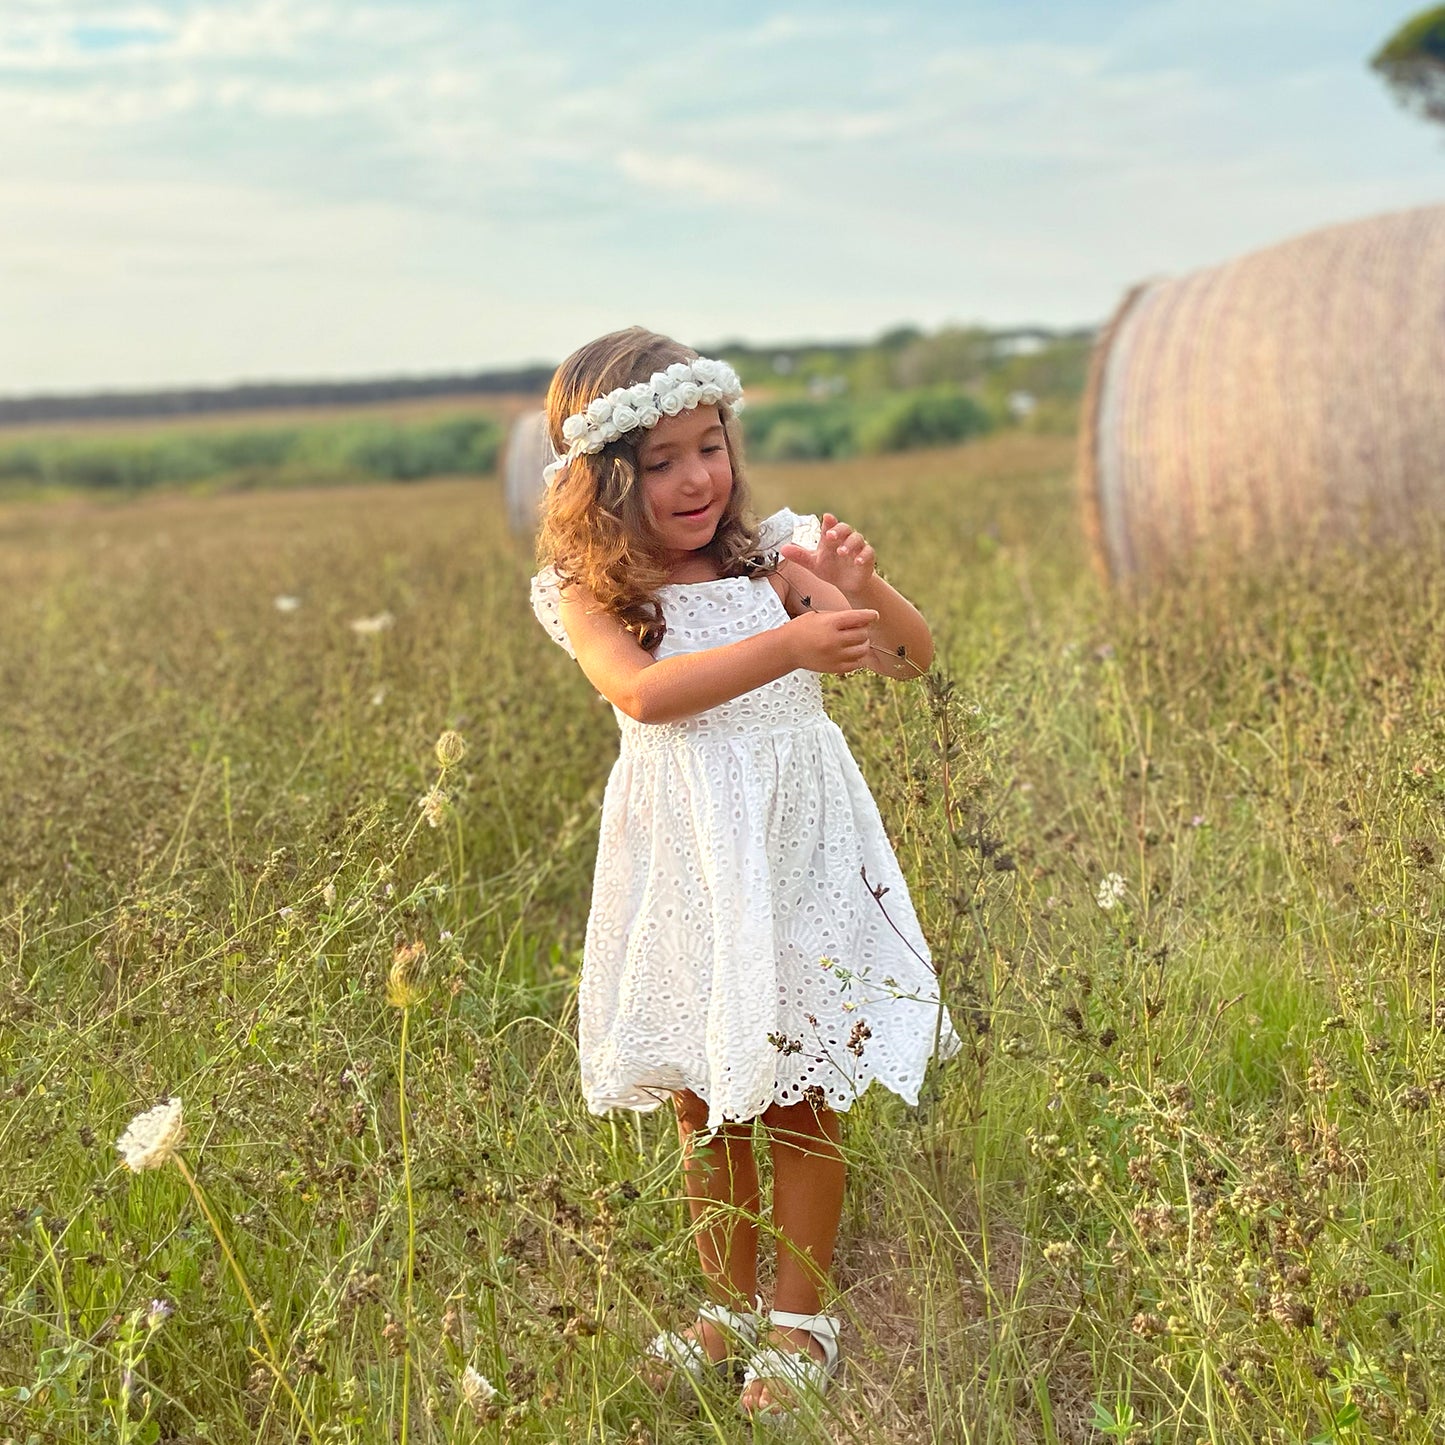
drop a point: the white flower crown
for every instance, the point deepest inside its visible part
(684, 385)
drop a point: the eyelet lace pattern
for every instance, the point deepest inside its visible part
(733, 947)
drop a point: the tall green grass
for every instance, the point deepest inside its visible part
(1182, 1184)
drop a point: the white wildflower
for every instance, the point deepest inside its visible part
(287, 604)
(434, 807)
(328, 895)
(477, 1390)
(378, 695)
(285, 912)
(370, 626)
(153, 1137)
(1112, 890)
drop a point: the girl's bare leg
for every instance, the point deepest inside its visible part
(808, 1180)
(721, 1180)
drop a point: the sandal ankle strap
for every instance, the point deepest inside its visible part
(823, 1328)
(740, 1322)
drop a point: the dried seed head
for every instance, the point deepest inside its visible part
(1291, 1311)
(451, 748)
(404, 981)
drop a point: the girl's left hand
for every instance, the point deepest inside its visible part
(842, 557)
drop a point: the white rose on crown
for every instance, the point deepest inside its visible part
(683, 385)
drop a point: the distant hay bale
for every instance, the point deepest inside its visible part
(1292, 396)
(528, 451)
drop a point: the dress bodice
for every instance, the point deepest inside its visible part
(703, 615)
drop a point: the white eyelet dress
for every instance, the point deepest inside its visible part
(733, 947)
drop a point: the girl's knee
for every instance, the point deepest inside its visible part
(802, 1122)
(691, 1111)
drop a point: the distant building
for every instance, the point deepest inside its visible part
(1020, 343)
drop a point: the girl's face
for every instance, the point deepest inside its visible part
(687, 477)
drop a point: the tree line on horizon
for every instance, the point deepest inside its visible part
(951, 355)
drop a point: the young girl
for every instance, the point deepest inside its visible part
(738, 957)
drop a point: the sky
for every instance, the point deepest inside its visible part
(211, 191)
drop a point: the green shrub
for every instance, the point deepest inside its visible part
(801, 430)
(926, 418)
(260, 457)
(404, 454)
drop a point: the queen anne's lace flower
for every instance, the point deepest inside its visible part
(683, 386)
(478, 1392)
(1112, 890)
(153, 1137)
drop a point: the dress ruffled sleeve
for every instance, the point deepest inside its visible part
(546, 603)
(789, 526)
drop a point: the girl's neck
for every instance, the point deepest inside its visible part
(698, 566)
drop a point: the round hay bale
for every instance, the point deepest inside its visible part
(1290, 397)
(528, 451)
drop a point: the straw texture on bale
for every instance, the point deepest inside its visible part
(528, 451)
(1292, 396)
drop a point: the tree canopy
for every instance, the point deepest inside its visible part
(1412, 62)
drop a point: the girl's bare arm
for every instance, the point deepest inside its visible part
(656, 690)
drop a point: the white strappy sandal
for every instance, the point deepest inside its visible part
(800, 1372)
(689, 1357)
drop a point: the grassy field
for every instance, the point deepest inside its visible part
(1182, 1185)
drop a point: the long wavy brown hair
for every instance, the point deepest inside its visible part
(595, 529)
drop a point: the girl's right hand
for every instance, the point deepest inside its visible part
(832, 641)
